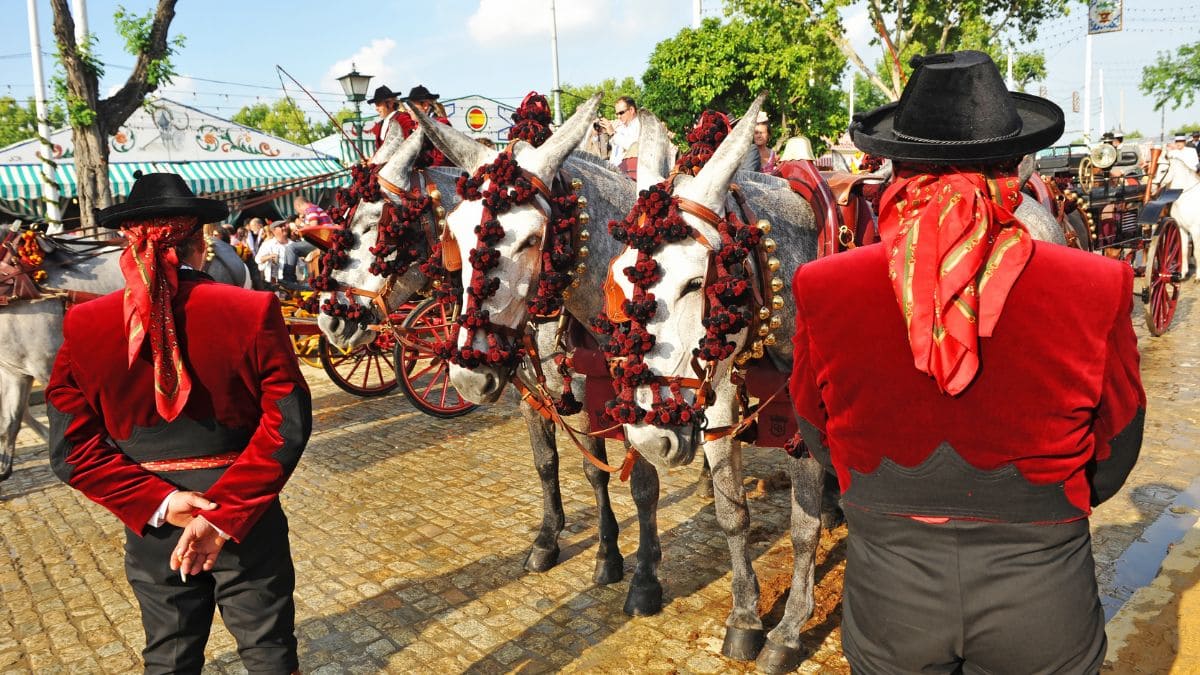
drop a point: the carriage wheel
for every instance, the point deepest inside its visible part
(1087, 178)
(306, 345)
(366, 370)
(1164, 262)
(425, 378)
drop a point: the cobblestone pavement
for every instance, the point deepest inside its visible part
(409, 534)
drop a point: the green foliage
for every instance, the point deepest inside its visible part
(573, 95)
(325, 127)
(19, 122)
(1185, 129)
(137, 33)
(762, 47)
(283, 119)
(1173, 78)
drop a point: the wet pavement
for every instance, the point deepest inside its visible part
(409, 534)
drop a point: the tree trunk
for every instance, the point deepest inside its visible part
(91, 172)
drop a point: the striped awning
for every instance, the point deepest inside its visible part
(21, 184)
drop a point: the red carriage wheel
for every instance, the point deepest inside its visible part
(1164, 262)
(366, 370)
(425, 378)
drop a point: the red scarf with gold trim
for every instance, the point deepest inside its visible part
(955, 249)
(151, 270)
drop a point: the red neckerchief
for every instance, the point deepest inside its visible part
(151, 270)
(954, 252)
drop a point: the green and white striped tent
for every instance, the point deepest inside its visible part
(215, 157)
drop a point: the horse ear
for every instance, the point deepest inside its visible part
(403, 156)
(391, 143)
(545, 161)
(1025, 169)
(711, 184)
(654, 146)
(462, 150)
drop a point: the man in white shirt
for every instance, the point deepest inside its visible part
(625, 132)
(276, 255)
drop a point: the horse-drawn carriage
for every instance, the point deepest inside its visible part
(1127, 215)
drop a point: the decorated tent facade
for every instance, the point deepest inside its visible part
(214, 156)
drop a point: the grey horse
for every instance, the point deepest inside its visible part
(677, 327)
(31, 331)
(609, 196)
(398, 162)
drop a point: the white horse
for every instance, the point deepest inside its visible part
(1176, 170)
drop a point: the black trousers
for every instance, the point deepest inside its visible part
(970, 597)
(252, 584)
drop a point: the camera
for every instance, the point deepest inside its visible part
(596, 126)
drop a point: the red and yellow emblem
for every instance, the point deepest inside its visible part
(477, 118)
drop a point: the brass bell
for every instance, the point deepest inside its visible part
(764, 225)
(777, 302)
(583, 252)
(758, 353)
(435, 195)
(575, 283)
(437, 283)
(742, 358)
(441, 212)
(566, 294)
(764, 313)
(581, 201)
(763, 330)
(584, 235)
(770, 340)
(776, 285)
(576, 184)
(773, 265)
(580, 268)
(775, 323)
(769, 245)
(584, 218)
(442, 223)
(757, 348)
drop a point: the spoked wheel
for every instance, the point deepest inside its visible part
(1164, 262)
(366, 370)
(425, 378)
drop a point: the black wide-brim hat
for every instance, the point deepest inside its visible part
(955, 109)
(156, 195)
(382, 94)
(420, 93)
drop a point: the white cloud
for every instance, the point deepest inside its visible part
(502, 21)
(375, 59)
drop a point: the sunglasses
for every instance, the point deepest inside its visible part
(621, 112)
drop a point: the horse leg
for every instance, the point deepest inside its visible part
(704, 488)
(831, 507)
(610, 565)
(544, 553)
(782, 652)
(645, 592)
(743, 627)
(14, 401)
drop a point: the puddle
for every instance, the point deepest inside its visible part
(1139, 564)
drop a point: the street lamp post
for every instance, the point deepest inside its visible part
(354, 85)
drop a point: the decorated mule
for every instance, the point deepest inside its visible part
(698, 339)
(367, 276)
(40, 277)
(535, 256)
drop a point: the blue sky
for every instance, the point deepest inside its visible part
(501, 48)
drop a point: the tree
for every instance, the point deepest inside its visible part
(1173, 79)
(919, 27)
(19, 122)
(723, 66)
(573, 96)
(1185, 129)
(94, 119)
(284, 119)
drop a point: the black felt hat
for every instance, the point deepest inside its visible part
(382, 94)
(155, 195)
(955, 109)
(420, 93)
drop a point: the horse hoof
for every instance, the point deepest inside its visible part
(777, 658)
(743, 644)
(609, 570)
(541, 559)
(644, 599)
(704, 488)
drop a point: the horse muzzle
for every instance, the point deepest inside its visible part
(483, 384)
(344, 334)
(664, 447)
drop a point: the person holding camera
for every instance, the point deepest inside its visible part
(624, 136)
(598, 141)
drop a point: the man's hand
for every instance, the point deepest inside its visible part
(181, 505)
(198, 547)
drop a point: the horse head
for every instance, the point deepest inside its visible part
(679, 295)
(509, 262)
(397, 156)
(1177, 169)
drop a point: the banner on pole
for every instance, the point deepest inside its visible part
(1105, 16)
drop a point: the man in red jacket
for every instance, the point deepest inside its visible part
(178, 405)
(976, 392)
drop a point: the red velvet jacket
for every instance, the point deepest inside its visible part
(1051, 425)
(247, 395)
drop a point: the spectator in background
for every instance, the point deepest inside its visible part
(597, 141)
(768, 161)
(255, 233)
(276, 259)
(311, 214)
(623, 134)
